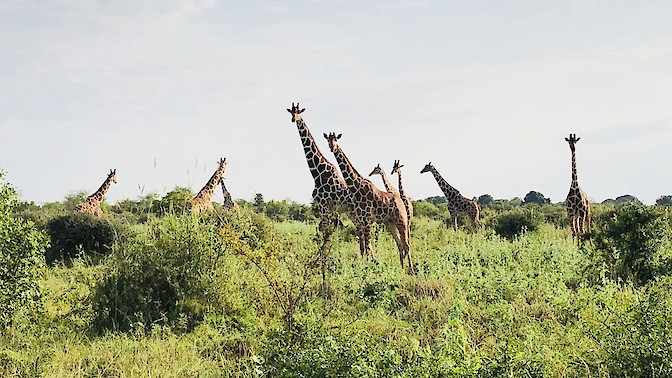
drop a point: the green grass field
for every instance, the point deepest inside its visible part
(240, 295)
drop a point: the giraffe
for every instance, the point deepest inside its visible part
(369, 204)
(330, 192)
(377, 170)
(457, 203)
(229, 203)
(92, 203)
(407, 201)
(201, 202)
(578, 206)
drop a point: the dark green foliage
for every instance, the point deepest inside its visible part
(627, 241)
(142, 209)
(555, 214)
(436, 200)
(664, 200)
(622, 200)
(77, 235)
(281, 211)
(536, 198)
(21, 259)
(514, 223)
(427, 209)
(174, 202)
(485, 200)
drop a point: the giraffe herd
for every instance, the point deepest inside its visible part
(199, 203)
(360, 199)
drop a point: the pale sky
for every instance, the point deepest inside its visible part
(486, 90)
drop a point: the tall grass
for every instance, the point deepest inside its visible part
(479, 305)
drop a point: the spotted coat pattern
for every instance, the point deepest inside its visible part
(457, 203)
(578, 206)
(229, 203)
(330, 193)
(202, 201)
(369, 204)
(406, 199)
(92, 203)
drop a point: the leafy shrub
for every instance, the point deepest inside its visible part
(515, 222)
(161, 277)
(172, 273)
(174, 202)
(21, 258)
(627, 241)
(638, 340)
(665, 200)
(426, 209)
(536, 198)
(78, 234)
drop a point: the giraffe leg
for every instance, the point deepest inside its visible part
(406, 240)
(394, 231)
(454, 221)
(575, 228)
(401, 238)
(474, 221)
(364, 234)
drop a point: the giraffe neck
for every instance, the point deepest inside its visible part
(401, 188)
(387, 183)
(210, 186)
(446, 188)
(350, 174)
(317, 163)
(575, 176)
(99, 195)
(225, 192)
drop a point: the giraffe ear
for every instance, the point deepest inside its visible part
(339, 136)
(289, 110)
(567, 139)
(578, 139)
(302, 110)
(325, 136)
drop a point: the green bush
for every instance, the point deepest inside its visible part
(161, 277)
(172, 273)
(21, 258)
(77, 235)
(628, 240)
(514, 223)
(638, 339)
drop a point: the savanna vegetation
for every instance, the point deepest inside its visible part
(151, 290)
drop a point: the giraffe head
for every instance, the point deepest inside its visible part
(295, 111)
(572, 141)
(397, 167)
(376, 171)
(222, 167)
(112, 176)
(332, 138)
(428, 168)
